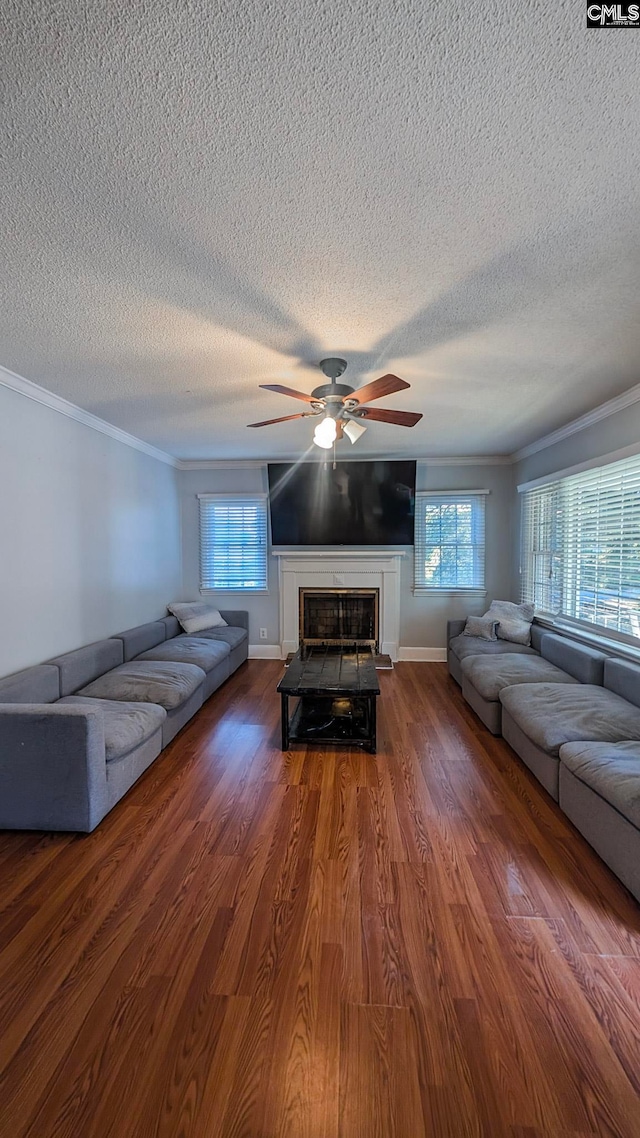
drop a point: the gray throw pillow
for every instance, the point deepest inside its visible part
(195, 616)
(514, 620)
(483, 626)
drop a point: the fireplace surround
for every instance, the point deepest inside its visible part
(326, 569)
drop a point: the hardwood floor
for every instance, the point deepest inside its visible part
(320, 943)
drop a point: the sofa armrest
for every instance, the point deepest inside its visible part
(52, 767)
(239, 618)
(454, 628)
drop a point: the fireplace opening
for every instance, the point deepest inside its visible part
(339, 616)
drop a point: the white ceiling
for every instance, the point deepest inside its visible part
(200, 197)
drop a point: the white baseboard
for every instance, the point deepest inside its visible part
(265, 652)
(426, 655)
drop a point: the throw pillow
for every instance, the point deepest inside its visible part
(195, 616)
(514, 620)
(482, 626)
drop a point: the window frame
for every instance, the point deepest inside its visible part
(254, 498)
(477, 498)
(597, 505)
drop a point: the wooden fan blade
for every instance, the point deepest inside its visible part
(287, 391)
(283, 419)
(384, 415)
(386, 385)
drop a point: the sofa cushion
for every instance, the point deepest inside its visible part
(553, 714)
(490, 674)
(237, 618)
(126, 725)
(537, 632)
(196, 615)
(34, 685)
(85, 664)
(463, 646)
(612, 770)
(229, 635)
(514, 620)
(141, 638)
(171, 626)
(480, 626)
(586, 664)
(623, 677)
(148, 681)
(206, 654)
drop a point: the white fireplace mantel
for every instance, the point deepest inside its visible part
(340, 568)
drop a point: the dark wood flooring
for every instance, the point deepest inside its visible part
(320, 943)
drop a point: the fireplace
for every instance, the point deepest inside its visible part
(322, 570)
(339, 616)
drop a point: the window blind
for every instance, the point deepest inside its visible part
(541, 540)
(581, 546)
(233, 542)
(449, 548)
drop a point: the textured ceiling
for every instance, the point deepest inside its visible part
(197, 197)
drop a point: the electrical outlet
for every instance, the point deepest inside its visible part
(263, 634)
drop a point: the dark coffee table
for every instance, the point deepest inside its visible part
(336, 689)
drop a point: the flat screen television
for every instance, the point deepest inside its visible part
(358, 503)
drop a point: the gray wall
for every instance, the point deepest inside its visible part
(96, 536)
(423, 619)
(597, 441)
(89, 534)
(263, 608)
(603, 438)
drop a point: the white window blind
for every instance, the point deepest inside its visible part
(541, 560)
(233, 542)
(581, 546)
(449, 541)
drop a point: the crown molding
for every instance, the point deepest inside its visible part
(54, 402)
(79, 415)
(611, 407)
(468, 460)
(239, 463)
(225, 463)
(631, 451)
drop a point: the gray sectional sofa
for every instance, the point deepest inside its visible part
(559, 661)
(600, 792)
(78, 731)
(573, 716)
(460, 646)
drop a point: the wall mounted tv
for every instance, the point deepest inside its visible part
(357, 503)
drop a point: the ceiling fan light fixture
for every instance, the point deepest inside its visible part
(353, 430)
(342, 408)
(325, 433)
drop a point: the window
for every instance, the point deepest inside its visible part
(580, 543)
(233, 542)
(541, 535)
(449, 542)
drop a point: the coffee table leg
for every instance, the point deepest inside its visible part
(372, 724)
(284, 716)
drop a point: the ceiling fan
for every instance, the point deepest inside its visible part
(341, 407)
